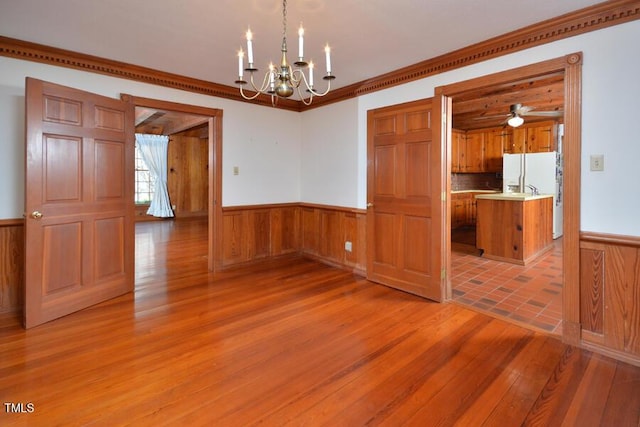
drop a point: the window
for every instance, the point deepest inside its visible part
(144, 183)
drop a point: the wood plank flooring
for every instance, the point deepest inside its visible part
(294, 342)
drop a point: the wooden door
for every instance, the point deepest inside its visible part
(79, 200)
(404, 212)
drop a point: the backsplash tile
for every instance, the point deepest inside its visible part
(476, 181)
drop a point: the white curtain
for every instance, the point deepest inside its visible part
(153, 149)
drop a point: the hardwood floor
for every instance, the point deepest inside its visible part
(294, 342)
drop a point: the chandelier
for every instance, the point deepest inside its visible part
(283, 80)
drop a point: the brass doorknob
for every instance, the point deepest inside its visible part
(36, 214)
(369, 205)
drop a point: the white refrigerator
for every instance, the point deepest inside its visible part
(543, 171)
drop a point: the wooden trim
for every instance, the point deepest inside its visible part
(226, 209)
(610, 239)
(596, 17)
(11, 222)
(215, 172)
(572, 153)
(606, 351)
(571, 67)
(333, 208)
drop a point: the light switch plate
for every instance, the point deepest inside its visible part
(597, 162)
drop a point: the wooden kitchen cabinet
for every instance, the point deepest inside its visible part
(495, 145)
(458, 210)
(481, 150)
(542, 138)
(534, 138)
(457, 141)
(463, 209)
(515, 231)
(473, 152)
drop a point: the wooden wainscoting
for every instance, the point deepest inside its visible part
(252, 233)
(326, 230)
(610, 294)
(11, 265)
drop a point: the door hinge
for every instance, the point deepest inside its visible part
(444, 196)
(443, 273)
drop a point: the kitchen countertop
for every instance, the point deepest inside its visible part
(474, 191)
(513, 196)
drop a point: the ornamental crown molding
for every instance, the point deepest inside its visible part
(599, 16)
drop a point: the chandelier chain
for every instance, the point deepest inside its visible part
(284, 19)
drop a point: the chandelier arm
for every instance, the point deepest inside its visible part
(265, 83)
(303, 78)
(249, 98)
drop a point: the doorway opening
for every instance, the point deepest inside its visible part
(537, 293)
(194, 166)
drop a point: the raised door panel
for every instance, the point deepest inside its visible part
(109, 235)
(416, 163)
(385, 248)
(417, 250)
(63, 165)
(79, 187)
(109, 180)
(385, 159)
(61, 258)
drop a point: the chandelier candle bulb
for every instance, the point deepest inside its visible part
(240, 63)
(301, 42)
(327, 54)
(311, 74)
(250, 46)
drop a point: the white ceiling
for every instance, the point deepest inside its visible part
(200, 38)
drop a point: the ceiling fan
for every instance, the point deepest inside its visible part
(518, 111)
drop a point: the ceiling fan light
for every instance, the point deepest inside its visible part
(515, 121)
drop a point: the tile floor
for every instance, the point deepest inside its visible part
(529, 295)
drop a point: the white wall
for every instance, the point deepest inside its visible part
(611, 90)
(329, 165)
(263, 142)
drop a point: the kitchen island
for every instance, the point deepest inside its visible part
(514, 227)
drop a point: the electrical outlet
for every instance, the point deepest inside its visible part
(236, 170)
(597, 162)
(348, 246)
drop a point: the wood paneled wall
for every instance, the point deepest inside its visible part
(610, 293)
(252, 233)
(11, 265)
(326, 231)
(187, 179)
